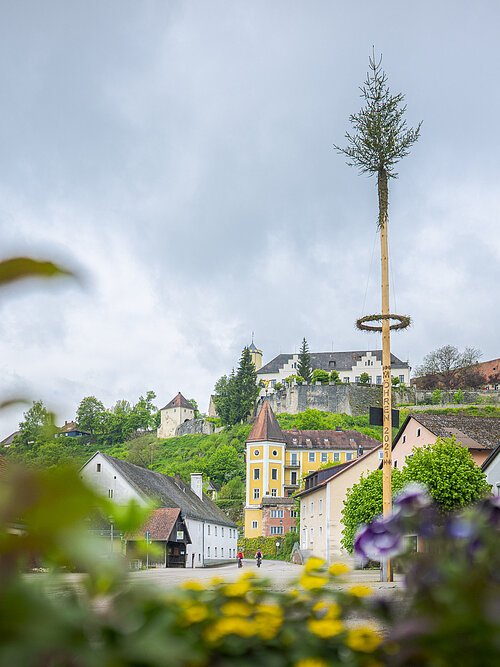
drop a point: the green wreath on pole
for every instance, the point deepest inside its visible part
(401, 322)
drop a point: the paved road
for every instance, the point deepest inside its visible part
(280, 574)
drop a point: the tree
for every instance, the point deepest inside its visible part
(448, 471)
(449, 368)
(143, 416)
(364, 378)
(335, 377)
(319, 375)
(381, 137)
(445, 468)
(395, 381)
(235, 395)
(231, 499)
(90, 415)
(38, 426)
(197, 413)
(363, 503)
(223, 464)
(304, 367)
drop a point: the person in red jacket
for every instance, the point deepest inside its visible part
(240, 557)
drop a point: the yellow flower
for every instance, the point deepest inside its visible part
(267, 626)
(215, 581)
(360, 591)
(238, 589)
(229, 626)
(363, 638)
(194, 613)
(314, 564)
(337, 569)
(192, 586)
(235, 608)
(324, 627)
(309, 582)
(311, 662)
(269, 609)
(327, 609)
(248, 575)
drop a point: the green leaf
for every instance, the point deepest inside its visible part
(17, 268)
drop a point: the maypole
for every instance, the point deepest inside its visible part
(380, 140)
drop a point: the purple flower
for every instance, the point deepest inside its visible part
(413, 498)
(460, 529)
(379, 539)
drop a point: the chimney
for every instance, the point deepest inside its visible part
(197, 484)
(360, 450)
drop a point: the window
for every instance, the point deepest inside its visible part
(381, 455)
(274, 493)
(324, 457)
(208, 529)
(256, 452)
(293, 477)
(277, 514)
(199, 558)
(379, 379)
(404, 439)
(348, 456)
(274, 473)
(312, 456)
(294, 513)
(256, 494)
(312, 507)
(336, 456)
(215, 531)
(208, 552)
(275, 452)
(222, 552)
(346, 380)
(276, 530)
(293, 460)
(418, 433)
(255, 524)
(110, 493)
(356, 379)
(311, 536)
(222, 531)
(321, 506)
(395, 464)
(256, 473)
(402, 379)
(293, 529)
(215, 550)
(98, 467)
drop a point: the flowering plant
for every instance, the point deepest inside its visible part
(450, 614)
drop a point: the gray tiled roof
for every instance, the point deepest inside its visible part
(328, 440)
(340, 361)
(473, 432)
(170, 492)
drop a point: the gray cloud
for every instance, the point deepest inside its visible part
(181, 155)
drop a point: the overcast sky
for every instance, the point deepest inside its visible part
(179, 155)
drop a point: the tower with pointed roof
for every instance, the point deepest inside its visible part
(175, 413)
(256, 355)
(277, 460)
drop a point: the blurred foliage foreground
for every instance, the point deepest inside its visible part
(449, 614)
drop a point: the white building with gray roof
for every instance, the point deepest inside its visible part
(350, 366)
(214, 537)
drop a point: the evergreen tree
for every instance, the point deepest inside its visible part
(235, 395)
(304, 367)
(247, 389)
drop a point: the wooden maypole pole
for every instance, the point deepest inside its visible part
(380, 140)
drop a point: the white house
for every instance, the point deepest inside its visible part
(213, 536)
(322, 501)
(175, 413)
(350, 366)
(492, 469)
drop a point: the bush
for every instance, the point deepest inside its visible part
(278, 386)
(364, 378)
(319, 375)
(458, 397)
(437, 397)
(335, 377)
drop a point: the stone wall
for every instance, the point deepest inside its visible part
(196, 426)
(350, 399)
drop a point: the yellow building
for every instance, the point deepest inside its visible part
(276, 462)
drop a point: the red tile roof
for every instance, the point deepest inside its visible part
(266, 427)
(160, 524)
(179, 402)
